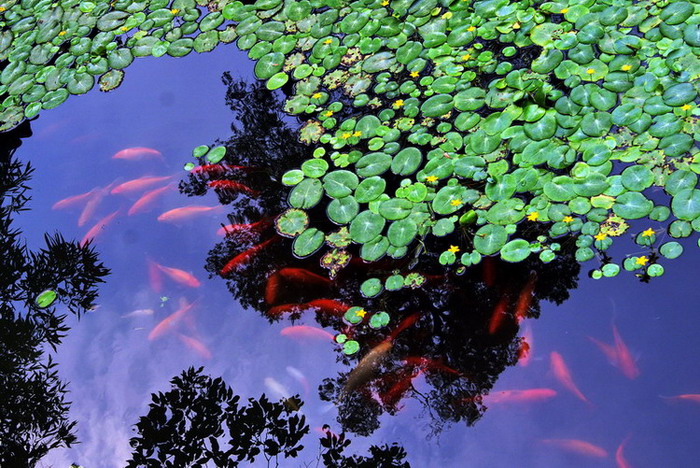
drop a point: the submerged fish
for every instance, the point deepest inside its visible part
(520, 396)
(186, 212)
(256, 227)
(137, 153)
(92, 204)
(195, 345)
(97, 229)
(562, 374)
(620, 456)
(577, 446)
(231, 186)
(305, 331)
(154, 277)
(280, 391)
(244, 256)
(525, 350)
(431, 364)
(299, 377)
(499, 315)
(138, 313)
(367, 368)
(147, 200)
(522, 306)
(624, 357)
(74, 200)
(179, 276)
(692, 397)
(219, 169)
(138, 185)
(171, 320)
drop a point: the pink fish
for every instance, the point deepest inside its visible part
(92, 205)
(609, 351)
(97, 229)
(171, 320)
(525, 349)
(146, 201)
(305, 331)
(185, 212)
(624, 358)
(137, 185)
(154, 277)
(250, 227)
(243, 257)
(577, 446)
(562, 374)
(195, 345)
(179, 276)
(74, 200)
(692, 397)
(620, 457)
(137, 153)
(520, 396)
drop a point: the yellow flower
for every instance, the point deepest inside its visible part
(626, 67)
(398, 103)
(316, 96)
(447, 15)
(361, 313)
(590, 71)
(456, 202)
(466, 57)
(431, 179)
(346, 135)
(533, 216)
(600, 236)
(62, 33)
(453, 249)
(123, 29)
(414, 74)
(643, 260)
(567, 219)
(174, 11)
(516, 25)
(357, 133)
(564, 11)
(328, 41)
(328, 113)
(385, 2)
(686, 107)
(2, 8)
(471, 28)
(648, 233)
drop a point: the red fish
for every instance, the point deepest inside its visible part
(244, 256)
(171, 320)
(329, 306)
(154, 277)
(578, 446)
(520, 396)
(525, 349)
(525, 299)
(488, 271)
(185, 212)
(562, 374)
(692, 397)
(431, 364)
(250, 227)
(279, 310)
(180, 276)
(620, 457)
(405, 323)
(232, 186)
(499, 315)
(195, 345)
(92, 204)
(221, 169)
(609, 351)
(137, 185)
(74, 200)
(272, 287)
(399, 389)
(300, 275)
(305, 331)
(137, 153)
(624, 358)
(97, 229)
(146, 201)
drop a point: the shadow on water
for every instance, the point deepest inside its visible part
(457, 333)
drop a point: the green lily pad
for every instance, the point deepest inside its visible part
(46, 298)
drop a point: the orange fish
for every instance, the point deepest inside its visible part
(146, 201)
(692, 397)
(624, 358)
(179, 276)
(221, 169)
(429, 364)
(250, 227)
(154, 277)
(577, 446)
(185, 212)
(305, 331)
(92, 204)
(499, 315)
(525, 299)
(74, 200)
(525, 349)
(244, 256)
(300, 275)
(195, 345)
(272, 287)
(137, 153)
(620, 456)
(329, 306)
(138, 185)
(96, 230)
(231, 186)
(171, 320)
(562, 374)
(520, 396)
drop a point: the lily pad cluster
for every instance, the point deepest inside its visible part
(54, 49)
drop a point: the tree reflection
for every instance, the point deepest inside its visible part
(461, 331)
(33, 406)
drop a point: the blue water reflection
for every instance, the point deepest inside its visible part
(173, 105)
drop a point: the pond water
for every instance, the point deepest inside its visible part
(631, 415)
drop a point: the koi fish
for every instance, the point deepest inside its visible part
(488, 271)
(525, 349)
(244, 256)
(577, 446)
(300, 275)
(692, 397)
(404, 324)
(138, 313)
(399, 389)
(154, 277)
(431, 364)
(562, 374)
(171, 320)
(185, 212)
(499, 315)
(257, 226)
(525, 299)
(620, 456)
(329, 306)
(97, 229)
(520, 396)
(272, 287)
(138, 185)
(137, 153)
(179, 276)
(609, 351)
(146, 201)
(92, 204)
(305, 331)
(221, 169)
(73, 200)
(280, 391)
(299, 377)
(195, 345)
(279, 310)
(231, 186)
(624, 358)
(367, 368)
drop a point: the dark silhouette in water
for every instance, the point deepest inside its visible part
(461, 331)
(33, 407)
(200, 420)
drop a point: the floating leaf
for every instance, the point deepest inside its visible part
(46, 298)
